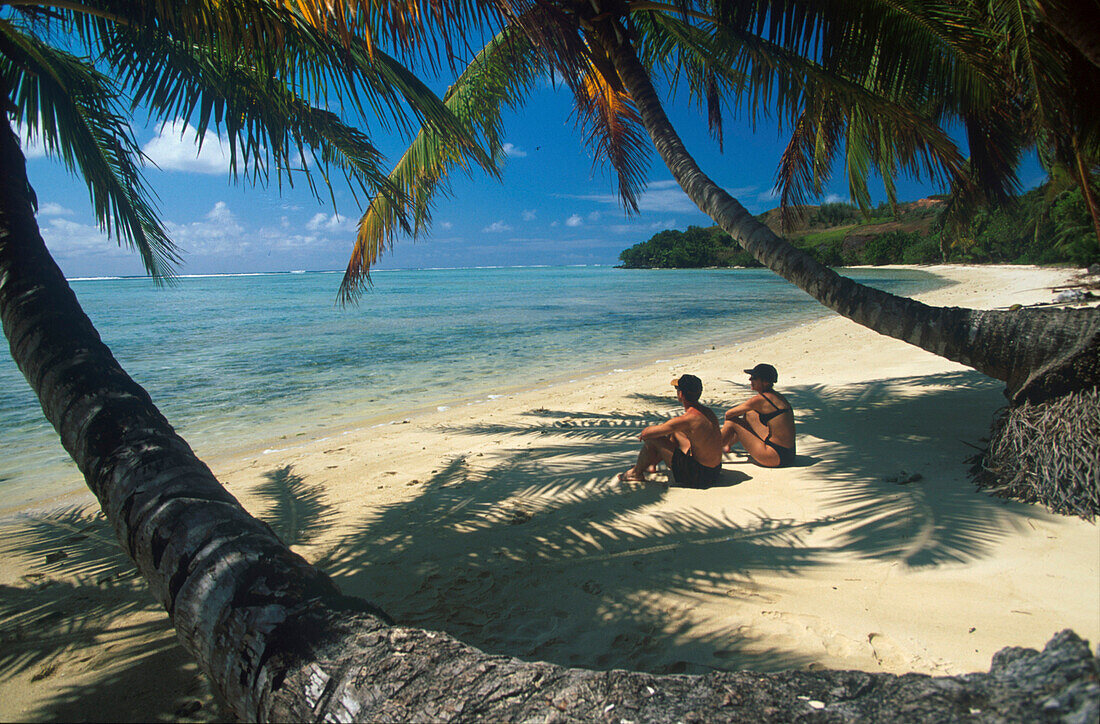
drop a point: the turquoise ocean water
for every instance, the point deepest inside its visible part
(243, 362)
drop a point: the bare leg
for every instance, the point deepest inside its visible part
(750, 432)
(653, 451)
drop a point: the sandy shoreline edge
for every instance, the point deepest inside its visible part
(498, 521)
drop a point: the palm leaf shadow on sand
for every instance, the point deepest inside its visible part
(459, 555)
(296, 510)
(85, 615)
(940, 517)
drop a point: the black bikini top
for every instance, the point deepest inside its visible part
(769, 416)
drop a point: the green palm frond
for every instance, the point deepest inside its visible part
(74, 107)
(499, 76)
(248, 95)
(268, 128)
(614, 132)
(819, 104)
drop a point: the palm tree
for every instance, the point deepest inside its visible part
(259, 72)
(275, 635)
(835, 73)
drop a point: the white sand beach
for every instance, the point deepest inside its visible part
(502, 523)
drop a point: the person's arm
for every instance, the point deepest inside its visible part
(665, 429)
(739, 411)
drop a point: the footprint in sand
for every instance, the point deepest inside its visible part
(888, 654)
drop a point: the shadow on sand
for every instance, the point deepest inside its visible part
(535, 552)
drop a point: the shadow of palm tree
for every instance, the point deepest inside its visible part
(459, 555)
(534, 552)
(84, 616)
(296, 511)
(923, 517)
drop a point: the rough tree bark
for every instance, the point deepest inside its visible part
(278, 640)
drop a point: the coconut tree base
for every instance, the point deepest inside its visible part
(1047, 452)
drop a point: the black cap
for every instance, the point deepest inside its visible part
(690, 385)
(764, 372)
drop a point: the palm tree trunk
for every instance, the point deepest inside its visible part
(224, 577)
(1038, 353)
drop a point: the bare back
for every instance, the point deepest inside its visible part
(776, 414)
(700, 426)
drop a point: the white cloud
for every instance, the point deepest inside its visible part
(175, 148)
(218, 232)
(51, 209)
(513, 151)
(661, 225)
(497, 227)
(446, 225)
(770, 195)
(574, 220)
(32, 146)
(324, 222)
(594, 216)
(528, 215)
(661, 196)
(68, 239)
(836, 199)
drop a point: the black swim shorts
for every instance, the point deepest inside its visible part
(689, 473)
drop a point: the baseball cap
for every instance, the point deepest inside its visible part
(764, 372)
(690, 385)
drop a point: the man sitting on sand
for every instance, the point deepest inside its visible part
(691, 444)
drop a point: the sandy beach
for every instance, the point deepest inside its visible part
(502, 523)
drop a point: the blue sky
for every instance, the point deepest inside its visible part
(552, 206)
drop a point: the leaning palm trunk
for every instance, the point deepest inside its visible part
(275, 636)
(1041, 354)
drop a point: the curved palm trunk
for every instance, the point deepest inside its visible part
(1038, 353)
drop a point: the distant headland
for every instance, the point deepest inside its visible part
(1039, 227)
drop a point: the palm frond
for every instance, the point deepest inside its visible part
(499, 76)
(74, 108)
(615, 132)
(269, 129)
(819, 103)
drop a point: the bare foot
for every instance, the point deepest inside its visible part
(631, 475)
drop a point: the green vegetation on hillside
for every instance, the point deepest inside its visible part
(1039, 228)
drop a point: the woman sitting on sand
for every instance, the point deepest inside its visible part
(764, 425)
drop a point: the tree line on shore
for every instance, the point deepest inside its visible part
(1043, 226)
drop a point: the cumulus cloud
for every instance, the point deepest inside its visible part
(513, 151)
(836, 199)
(334, 222)
(51, 209)
(175, 148)
(497, 227)
(528, 215)
(30, 142)
(574, 220)
(446, 225)
(68, 239)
